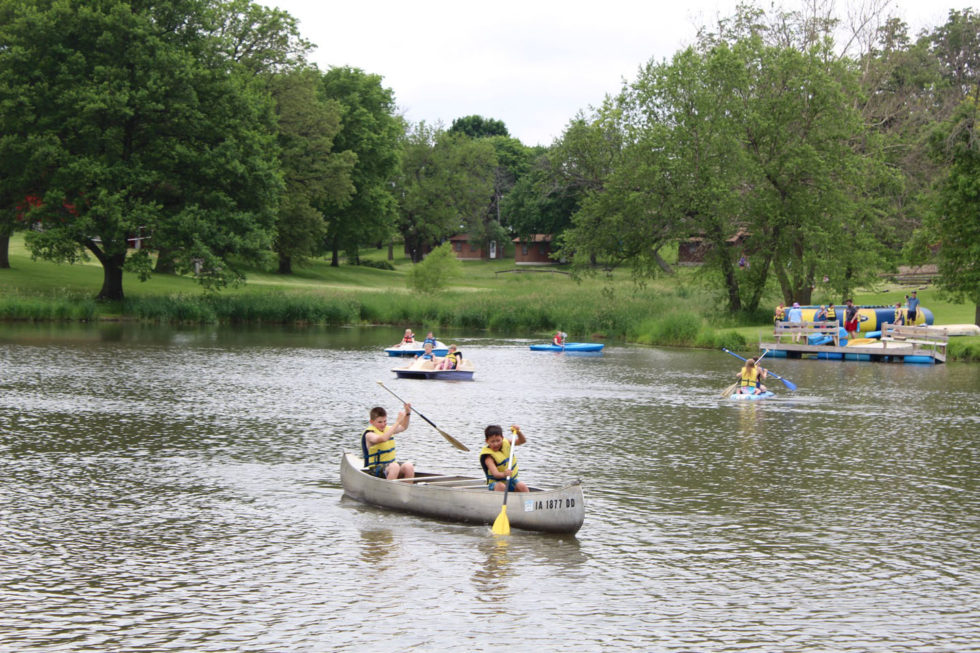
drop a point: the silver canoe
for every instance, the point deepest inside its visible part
(466, 499)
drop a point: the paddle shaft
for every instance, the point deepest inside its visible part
(510, 463)
(456, 443)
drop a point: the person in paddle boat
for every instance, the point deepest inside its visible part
(559, 339)
(452, 359)
(378, 444)
(427, 360)
(429, 339)
(496, 456)
(750, 378)
(409, 337)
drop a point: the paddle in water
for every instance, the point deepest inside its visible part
(786, 382)
(501, 525)
(453, 441)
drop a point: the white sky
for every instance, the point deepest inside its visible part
(533, 63)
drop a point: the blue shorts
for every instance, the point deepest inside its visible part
(513, 484)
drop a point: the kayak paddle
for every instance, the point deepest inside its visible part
(501, 525)
(453, 441)
(786, 382)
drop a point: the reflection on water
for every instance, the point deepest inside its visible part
(179, 490)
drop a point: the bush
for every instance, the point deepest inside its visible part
(435, 271)
(377, 265)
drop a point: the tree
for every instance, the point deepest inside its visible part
(955, 223)
(314, 174)
(144, 124)
(479, 127)
(445, 183)
(369, 129)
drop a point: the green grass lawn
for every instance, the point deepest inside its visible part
(677, 310)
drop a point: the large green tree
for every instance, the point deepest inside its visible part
(371, 130)
(314, 173)
(443, 188)
(146, 124)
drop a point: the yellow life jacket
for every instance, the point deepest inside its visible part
(501, 459)
(381, 453)
(832, 314)
(750, 378)
(780, 313)
(898, 316)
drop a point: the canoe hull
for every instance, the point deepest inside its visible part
(466, 499)
(570, 346)
(741, 397)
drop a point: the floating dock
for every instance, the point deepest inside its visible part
(894, 353)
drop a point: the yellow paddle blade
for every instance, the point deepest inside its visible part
(501, 525)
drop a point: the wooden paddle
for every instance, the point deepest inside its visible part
(501, 525)
(727, 392)
(453, 441)
(786, 382)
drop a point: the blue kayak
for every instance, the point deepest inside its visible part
(570, 346)
(765, 395)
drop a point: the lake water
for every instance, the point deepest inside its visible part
(178, 490)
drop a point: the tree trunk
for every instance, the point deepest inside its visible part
(5, 251)
(391, 250)
(285, 264)
(165, 261)
(112, 287)
(976, 315)
(335, 253)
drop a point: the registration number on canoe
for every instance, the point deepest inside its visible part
(531, 505)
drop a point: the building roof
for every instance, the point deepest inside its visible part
(534, 238)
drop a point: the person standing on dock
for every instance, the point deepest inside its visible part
(796, 317)
(899, 318)
(913, 303)
(850, 319)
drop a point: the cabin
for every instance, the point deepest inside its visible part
(533, 250)
(693, 250)
(469, 251)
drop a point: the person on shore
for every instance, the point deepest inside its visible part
(496, 459)
(832, 313)
(913, 303)
(750, 378)
(378, 444)
(851, 323)
(821, 314)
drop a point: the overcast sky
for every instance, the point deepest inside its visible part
(533, 63)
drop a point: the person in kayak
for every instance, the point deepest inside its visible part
(495, 458)
(559, 339)
(378, 444)
(751, 377)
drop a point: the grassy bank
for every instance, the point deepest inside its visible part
(676, 311)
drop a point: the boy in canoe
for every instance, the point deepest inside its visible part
(496, 456)
(378, 444)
